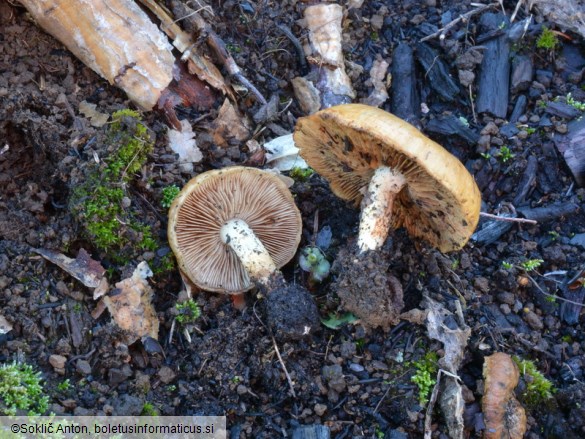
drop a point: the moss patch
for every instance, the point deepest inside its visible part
(102, 202)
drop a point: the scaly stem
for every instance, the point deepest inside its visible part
(376, 215)
(251, 252)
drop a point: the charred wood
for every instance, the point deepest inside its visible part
(494, 75)
(436, 72)
(528, 181)
(548, 213)
(452, 126)
(522, 73)
(405, 100)
(572, 147)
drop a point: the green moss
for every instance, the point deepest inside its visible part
(547, 40)
(169, 193)
(300, 174)
(538, 388)
(149, 409)
(101, 201)
(188, 312)
(424, 377)
(21, 389)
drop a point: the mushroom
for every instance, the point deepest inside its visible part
(408, 179)
(232, 229)
(401, 178)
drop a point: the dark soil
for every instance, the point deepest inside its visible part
(354, 380)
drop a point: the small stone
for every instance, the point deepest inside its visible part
(320, 409)
(561, 128)
(533, 320)
(58, 362)
(166, 374)
(506, 297)
(505, 308)
(354, 367)
(534, 118)
(490, 129)
(482, 284)
(61, 288)
(83, 367)
(241, 389)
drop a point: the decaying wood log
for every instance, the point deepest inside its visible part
(436, 72)
(405, 100)
(494, 75)
(116, 39)
(572, 147)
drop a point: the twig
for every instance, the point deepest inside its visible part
(441, 32)
(507, 218)
(554, 296)
(296, 43)
(288, 378)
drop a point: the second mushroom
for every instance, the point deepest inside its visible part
(402, 179)
(232, 229)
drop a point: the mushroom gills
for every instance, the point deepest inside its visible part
(249, 249)
(376, 207)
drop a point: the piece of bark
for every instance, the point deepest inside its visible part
(522, 73)
(405, 100)
(116, 39)
(527, 182)
(548, 213)
(452, 126)
(494, 75)
(436, 72)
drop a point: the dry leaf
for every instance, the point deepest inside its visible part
(229, 125)
(184, 145)
(503, 415)
(130, 305)
(96, 118)
(83, 268)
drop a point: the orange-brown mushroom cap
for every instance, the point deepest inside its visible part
(347, 143)
(211, 199)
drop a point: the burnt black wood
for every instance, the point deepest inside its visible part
(494, 73)
(436, 73)
(405, 100)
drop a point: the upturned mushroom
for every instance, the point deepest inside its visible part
(232, 229)
(400, 177)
